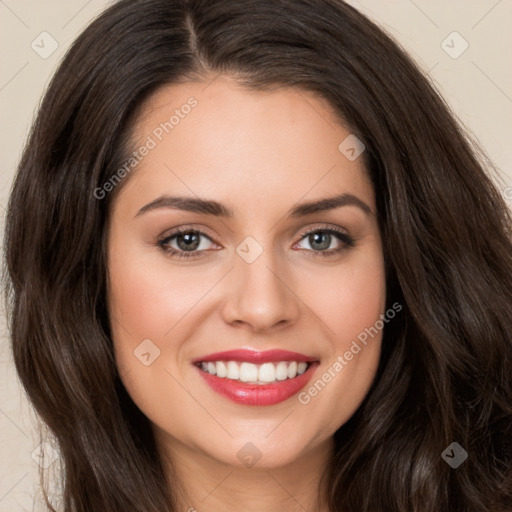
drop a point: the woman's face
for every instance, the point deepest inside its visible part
(249, 168)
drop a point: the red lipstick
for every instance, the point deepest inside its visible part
(257, 394)
(255, 356)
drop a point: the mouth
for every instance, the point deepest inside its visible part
(261, 374)
(256, 378)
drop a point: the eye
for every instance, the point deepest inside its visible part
(187, 243)
(320, 240)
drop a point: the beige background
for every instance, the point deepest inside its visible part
(477, 84)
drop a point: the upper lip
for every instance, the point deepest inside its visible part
(255, 356)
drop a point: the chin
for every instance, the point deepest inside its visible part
(259, 451)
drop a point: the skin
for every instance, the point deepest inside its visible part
(259, 154)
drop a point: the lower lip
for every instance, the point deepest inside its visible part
(256, 394)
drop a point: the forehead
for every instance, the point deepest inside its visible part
(221, 139)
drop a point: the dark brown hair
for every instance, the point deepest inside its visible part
(446, 363)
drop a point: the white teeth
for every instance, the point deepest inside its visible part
(267, 372)
(248, 372)
(253, 373)
(221, 369)
(233, 370)
(292, 370)
(281, 371)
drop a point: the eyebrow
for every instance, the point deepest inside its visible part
(210, 207)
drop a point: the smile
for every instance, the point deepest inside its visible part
(251, 377)
(255, 374)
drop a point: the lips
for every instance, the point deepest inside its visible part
(256, 356)
(226, 373)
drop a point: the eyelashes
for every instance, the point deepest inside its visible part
(192, 239)
(346, 240)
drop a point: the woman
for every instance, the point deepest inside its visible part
(255, 264)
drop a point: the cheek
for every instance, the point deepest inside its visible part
(145, 298)
(348, 297)
(144, 304)
(352, 311)
(353, 305)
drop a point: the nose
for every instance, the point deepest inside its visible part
(260, 295)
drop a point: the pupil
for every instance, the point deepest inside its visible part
(191, 241)
(315, 239)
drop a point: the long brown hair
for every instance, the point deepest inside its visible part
(446, 364)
